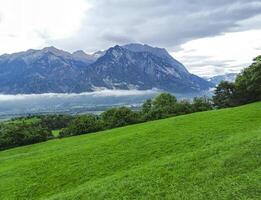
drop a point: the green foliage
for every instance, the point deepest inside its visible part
(207, 155)
(247, 88)
(201, 104)
(224, 95)
(116, 117)
(25, 120)
(160, 107)
(147, 106)
(54, 122)
(18, 134)
(82, 125)
(165, 103)
(248, 83)
(183, 107)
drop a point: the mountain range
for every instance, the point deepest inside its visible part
(132, 66)
(230, 77)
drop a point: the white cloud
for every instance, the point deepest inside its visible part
(92, 25)
(230, 52)
(28, 24)
(100, 93)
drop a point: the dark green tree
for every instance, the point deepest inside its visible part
(82, 125)
(248, 83)
(18, 134)
(165, 103)
(147, 106)
(201, 104)
(224, 95)
(183, 107)
(117, 117)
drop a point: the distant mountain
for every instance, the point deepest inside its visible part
(231, 77)
(42, 71)
(132, 66)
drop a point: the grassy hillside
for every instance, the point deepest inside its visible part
(208, 155)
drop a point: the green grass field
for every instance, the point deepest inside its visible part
(208, 155)
(55, 133)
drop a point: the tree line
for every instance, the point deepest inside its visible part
(246, 89)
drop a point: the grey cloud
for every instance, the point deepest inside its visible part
(165, 23)
(117, 38)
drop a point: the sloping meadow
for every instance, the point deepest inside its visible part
(206, 155)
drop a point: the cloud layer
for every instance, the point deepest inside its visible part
(166, 23)
(101, 93)
(92, 25)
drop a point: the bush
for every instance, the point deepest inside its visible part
(12, 135)
(183, 107)
(247, 87)
(201, 104)
(248, 83)
(165, 103)
(224, 95)
(82, 125)
(116, 117)
(53, 122)
(160, 107)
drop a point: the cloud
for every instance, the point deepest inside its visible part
(31, 24)
(230, 52)
(165, 23)
(101, 93)
(93, 25)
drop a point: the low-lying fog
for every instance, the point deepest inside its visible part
(94, 102)
(22, 104)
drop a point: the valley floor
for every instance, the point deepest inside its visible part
(207, 155)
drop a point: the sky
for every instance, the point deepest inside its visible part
(209, 37)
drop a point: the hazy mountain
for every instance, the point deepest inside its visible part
(132, 66)
(126, 68)
(42, 71)
(231, 77)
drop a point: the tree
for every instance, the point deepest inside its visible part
(160, 107)
(55, 121)
(248, 83)
(224, 95)
(147, 106)
(82, 125)
(117, 117)
(18, 134)
(201, 104)
(183, 107)
(165, 103)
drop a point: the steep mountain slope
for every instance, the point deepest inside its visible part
(127, 67)
(159, 52)
(42, 71)
(207, 155)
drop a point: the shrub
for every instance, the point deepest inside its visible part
(116, 117)
(248, 83)
(82, 125)
(247, 87)
(183, 107)
(201, 104)
(12, 135)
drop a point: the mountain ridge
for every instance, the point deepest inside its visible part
(230, 77)
(131, 66)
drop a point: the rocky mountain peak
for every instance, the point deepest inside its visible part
(130, 66)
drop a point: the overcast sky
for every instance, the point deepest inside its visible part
(208, 36)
